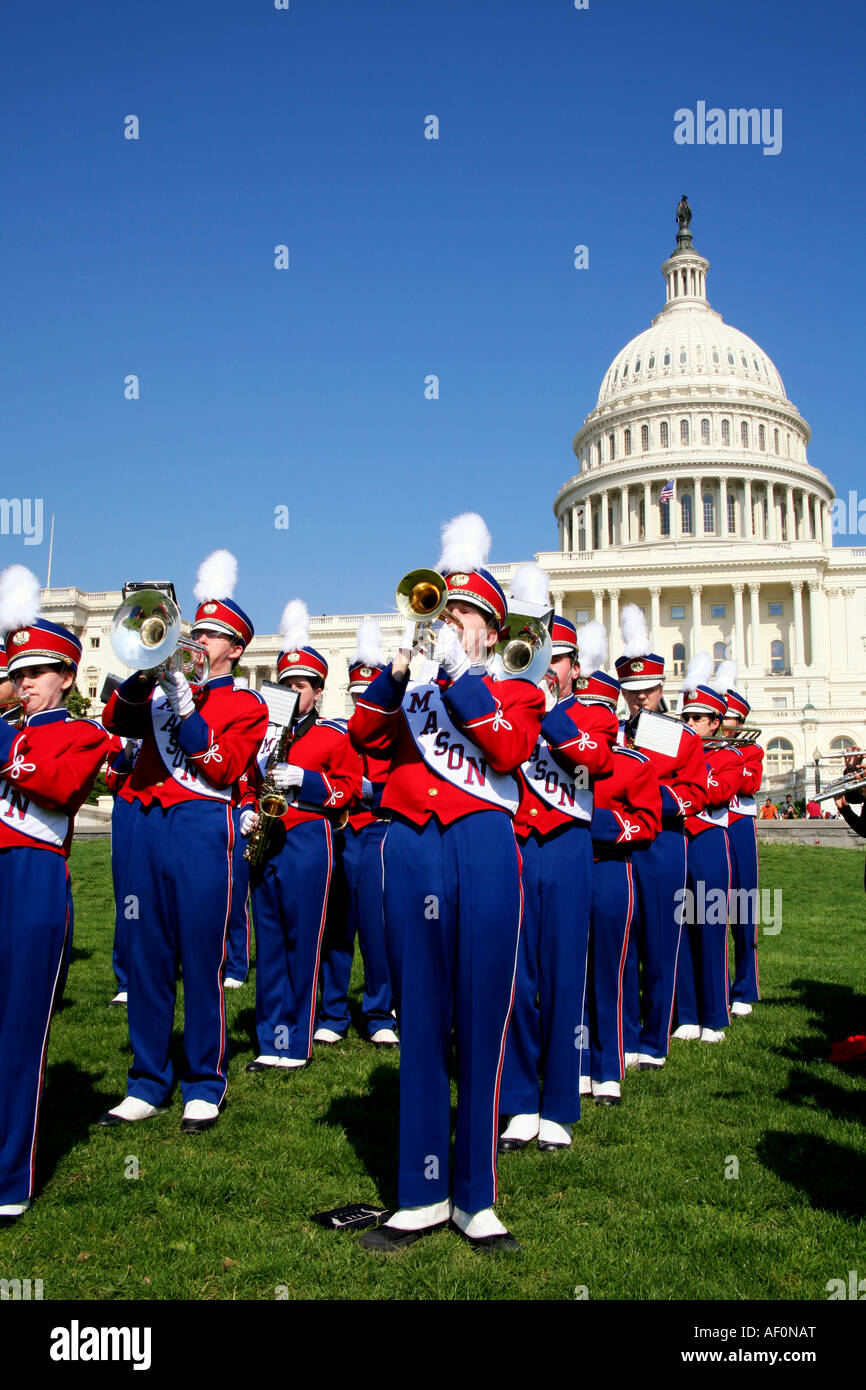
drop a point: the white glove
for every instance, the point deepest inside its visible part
(366, 791)
(286, 775)
(449, 654)
(249, 821)
(407, 638)
(177, 692)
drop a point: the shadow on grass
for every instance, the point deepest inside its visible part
(370, 1123)
(839, 1011)
(242, 1033)
(831, 1176)
(70, 1104)
(813, 1092)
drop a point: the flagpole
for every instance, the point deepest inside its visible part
(50, 552)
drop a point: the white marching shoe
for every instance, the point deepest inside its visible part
(586, 1086)
(10, 1213)
(646, 1061)
(631, 1059)
(553, 1136)
(128, 1111)
(740, 1009)
(231, 983)
(483, 1229)
(688, 1032)
(520, 1131)
(607, 1092)
(385, 1037)
(327, 1036)
(119, 998)
(712, 1035)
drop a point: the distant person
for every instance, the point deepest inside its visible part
(789, 810)
(813, 810)
(769, 811)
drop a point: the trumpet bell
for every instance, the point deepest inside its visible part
(422, 595)
(524, 650)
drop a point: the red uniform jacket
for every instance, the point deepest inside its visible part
(46, 772)
(332, 770)
(455, 746)
(724, 771)
(375, 775)
(628, 804)
(682, 779)
(751, 772)
(199, 758)
(556, 781)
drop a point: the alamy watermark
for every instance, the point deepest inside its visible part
(22, 516)
(848, 518)
(713, 907)
(737, 126)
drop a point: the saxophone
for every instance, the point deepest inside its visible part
(272, 804)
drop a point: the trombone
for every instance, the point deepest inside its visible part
(744, 736)
(145, 634)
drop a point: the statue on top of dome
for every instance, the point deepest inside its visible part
(684, 212)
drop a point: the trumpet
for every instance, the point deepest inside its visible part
(145, 634)
(421, 599)
(856, 778)
(524, 650)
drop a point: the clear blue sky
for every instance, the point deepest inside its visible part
(305, 387)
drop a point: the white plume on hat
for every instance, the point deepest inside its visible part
(20, 602)
(530, 584)
(698, 672)
(217, 576)
(368, 647)
(466, 543)
(634, 633)
(726, 677)
(295, 625)
(592, 648)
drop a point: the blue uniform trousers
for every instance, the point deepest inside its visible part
(660, 878)
(546, 1034)
(452, 919)
(613, 906)
(122, 818)
(743, 844)
(290, 901)
(355, 909)
(238, 939)
(35, 940)
(702, 978)
(180, 870)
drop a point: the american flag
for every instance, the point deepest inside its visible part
(667, 493)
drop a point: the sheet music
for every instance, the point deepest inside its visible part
(658, 732)
(281, 702)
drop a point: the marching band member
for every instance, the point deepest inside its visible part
(452, 893)
(320, 774)
(626, 818)
(47, 768)
(237, 963)
(121, 762)
(356, 888)
(743, 844)
(196, 744)
(703, 984)
(660, 871)
(552, 826)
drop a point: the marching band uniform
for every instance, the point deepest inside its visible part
(703, 983)
(743, 844)
(47, 769)
(626, 817)
(452, 906)
(290, 889)
(185, 780)
(355, 907)
(123, 814)
(240, 922)
(660, 880)
(552, 826)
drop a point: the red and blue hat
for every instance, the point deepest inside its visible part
(42, 642)
(301, 661)
(738, 705)
(479, 588)
(563, 635)
(223, 615)
(599, 686)
(361, 673)
(640, 672)
(703, 700)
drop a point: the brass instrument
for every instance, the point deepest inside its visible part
(853, 780)
(14, 714)
(524, 649)
(744, 736)
(421, 598)
(145, 634)
(273, 805)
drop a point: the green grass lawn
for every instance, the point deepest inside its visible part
(639, 1208)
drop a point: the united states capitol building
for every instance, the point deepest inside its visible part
(740, 562)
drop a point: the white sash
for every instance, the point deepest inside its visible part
(185, 772)
(268, 745)
(555, 786)
(18, 812)
(450, 752)
(744, 805)
(714, 815)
